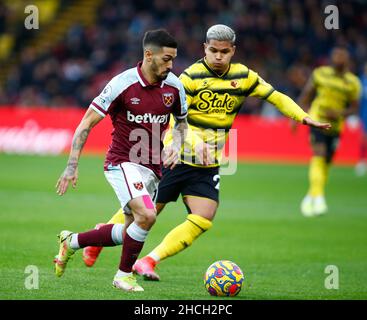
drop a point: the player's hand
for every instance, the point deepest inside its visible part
(320, 125)
(70, 175)
(170, 156)
(202, 151)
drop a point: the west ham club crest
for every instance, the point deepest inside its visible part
(168, 99)
(138, 185)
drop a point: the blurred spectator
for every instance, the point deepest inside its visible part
(282, 40)
(3, 15)
(361, 167)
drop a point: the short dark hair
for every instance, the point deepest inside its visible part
(159, 38)
(341, 46)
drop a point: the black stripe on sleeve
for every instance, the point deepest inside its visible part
(252, 88)
(268, 94)
(189, 92)
(186, 74)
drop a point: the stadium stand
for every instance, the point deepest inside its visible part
(82, 43)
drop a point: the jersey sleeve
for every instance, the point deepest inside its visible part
(258, 87)
(103, 103)
(287, 106)
(180, 110)
(188, 85)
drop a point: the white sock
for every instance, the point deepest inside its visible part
(154, 256)
(308, 197)
(116, 233)
(120, 273)
(319, 199)
(137, 233)
(74, 244)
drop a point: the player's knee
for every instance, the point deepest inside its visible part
(146, 219)
(150, 217)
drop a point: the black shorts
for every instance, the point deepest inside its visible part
(331, 141)
(188, 180)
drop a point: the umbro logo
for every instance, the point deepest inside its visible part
(135, 100)
(102, 100)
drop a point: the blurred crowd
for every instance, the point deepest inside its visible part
(281, 40)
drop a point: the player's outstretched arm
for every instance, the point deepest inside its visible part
(292, 110)
(70, 174)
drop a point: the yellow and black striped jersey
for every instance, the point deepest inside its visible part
(333, 91)
(214, 101)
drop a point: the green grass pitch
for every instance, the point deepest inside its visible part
(258, 225)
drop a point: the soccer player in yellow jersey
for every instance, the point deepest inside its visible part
(215, 89)
(335, 92)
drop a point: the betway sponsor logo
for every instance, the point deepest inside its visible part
(31, 139)
(147, 118)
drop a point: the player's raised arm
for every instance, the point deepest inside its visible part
(70, 174)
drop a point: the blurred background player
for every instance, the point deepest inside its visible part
(361, 167)
(132, 99)
(332, 93)
(215, 90)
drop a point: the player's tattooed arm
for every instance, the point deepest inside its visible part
(70, 174)
(79, 139)
(171, 152)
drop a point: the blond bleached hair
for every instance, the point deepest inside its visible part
(221, 32)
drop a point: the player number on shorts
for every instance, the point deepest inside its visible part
(215, 179)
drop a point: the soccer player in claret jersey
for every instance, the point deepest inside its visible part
(335, 92)
(215, 89)
(141, 99)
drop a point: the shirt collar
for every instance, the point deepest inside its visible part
(213, 72)
(143, 81)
